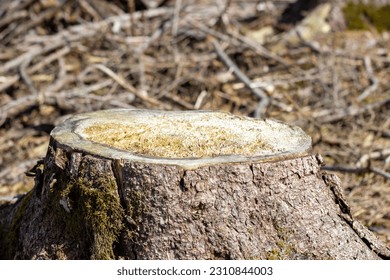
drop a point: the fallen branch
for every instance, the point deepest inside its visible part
(46, 44)
(372, 78)
(363, 161)
(49, 59)
(264, 100)
(35, 21)
(356, 170)
(380, 172)
(238, 39)
(68, 100)
(260, 49)
(120, 80)
(176, 17)
(25, 77)
(327, 116)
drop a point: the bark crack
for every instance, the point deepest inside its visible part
(367, 237)
(182, 183)
(333, 182)
(117, 168)
(253, 173)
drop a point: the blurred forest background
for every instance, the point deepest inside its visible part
(321, 65)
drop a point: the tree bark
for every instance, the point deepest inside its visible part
(100, 193)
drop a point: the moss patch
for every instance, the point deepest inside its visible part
(135, 208)
(365, 16)
(92, 212)
(283, 251)
(12, 235)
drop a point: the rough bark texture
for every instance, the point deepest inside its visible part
(85, 206)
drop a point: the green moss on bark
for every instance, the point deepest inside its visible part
(91, 211)
(283, 251)
(10, 236)
(365, 16)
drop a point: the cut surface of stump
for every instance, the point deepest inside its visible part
(142, 184)
(182, 138)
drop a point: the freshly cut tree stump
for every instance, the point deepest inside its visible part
(140, 184)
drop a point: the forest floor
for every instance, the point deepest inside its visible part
(59, 58)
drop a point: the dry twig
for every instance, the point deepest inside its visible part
(364, 160)
(372, 78)
(327, 116)
(176, 17)
(357, 170)
(264, 100)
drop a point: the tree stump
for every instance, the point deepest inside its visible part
(141, 184)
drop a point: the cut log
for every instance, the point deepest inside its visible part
(140, 184)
